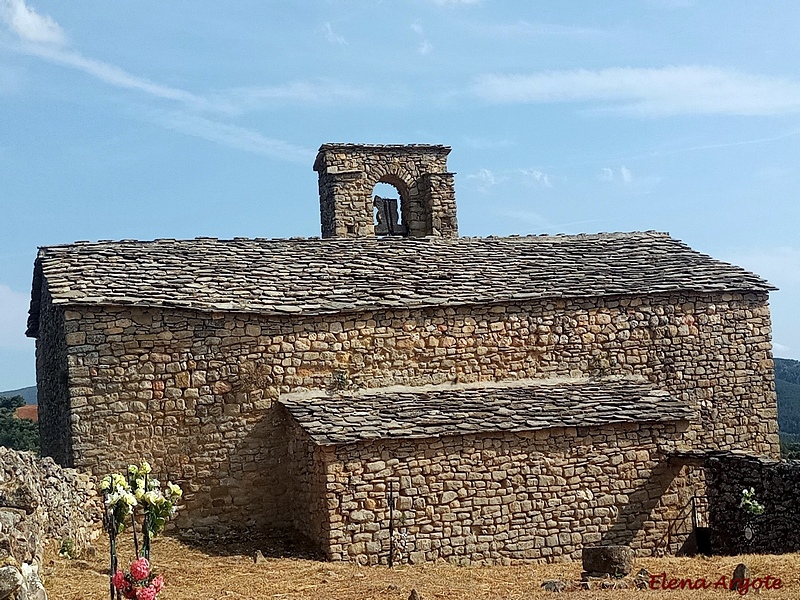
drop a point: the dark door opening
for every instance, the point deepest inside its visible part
(702, 531)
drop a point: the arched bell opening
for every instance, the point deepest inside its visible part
(389, 206)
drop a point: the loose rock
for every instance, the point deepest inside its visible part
(642, 579)
(10, 581)
(32, 588)
(554, 585)
(740, 573)
(611, 560)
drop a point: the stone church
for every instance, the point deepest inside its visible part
(493, 400)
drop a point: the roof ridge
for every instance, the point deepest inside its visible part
(357, 241)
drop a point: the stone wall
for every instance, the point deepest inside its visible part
(52, 382)
(41, 501)
(192, 392)
(505, 498)
(777, 487)
(348, 174)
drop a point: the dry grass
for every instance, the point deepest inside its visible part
(220, 572)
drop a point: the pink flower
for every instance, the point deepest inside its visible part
(140, 569)
(148, 593)
(158, 583)
(118, 580)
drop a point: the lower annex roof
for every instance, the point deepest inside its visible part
(435, 411)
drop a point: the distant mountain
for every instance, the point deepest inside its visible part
(28, 393)
(787, 386)
(787, 370)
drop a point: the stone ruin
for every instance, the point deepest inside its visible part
(41, 502)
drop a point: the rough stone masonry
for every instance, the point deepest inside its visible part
(567, 370)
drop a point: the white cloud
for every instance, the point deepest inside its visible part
(233, 136)
(536, 177)
(424, 47)
(332, 37)
(43, 37)
(118, 77)
(29, 25)
(654, 92)
(485, 178)
(623, 177)
(229, 101)
(13, 318)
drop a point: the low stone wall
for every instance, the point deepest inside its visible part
(41, 501)
(507, 498)
(777, 487)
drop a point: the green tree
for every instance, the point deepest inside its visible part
(19, 434)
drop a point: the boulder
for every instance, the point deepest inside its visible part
(616, 561)
(740, 573)
(10, 582)
(32, 588)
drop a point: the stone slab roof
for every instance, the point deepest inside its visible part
(314, 276)
(436, 411)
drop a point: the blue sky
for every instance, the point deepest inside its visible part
(180, 119)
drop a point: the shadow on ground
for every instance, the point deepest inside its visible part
(271, 543)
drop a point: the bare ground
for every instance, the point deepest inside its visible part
(227, 571)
